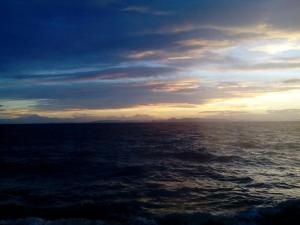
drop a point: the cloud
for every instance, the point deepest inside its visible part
(145, 54)
(91, 94)
(32, 118)
(171, 86)
(145, 10)
(124, 70)
(37, 119)
(115, 74)
(284, 65)
(291, 81)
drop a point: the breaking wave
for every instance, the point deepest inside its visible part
(285, 213)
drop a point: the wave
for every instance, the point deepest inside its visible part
(285, 213)
(201, 156)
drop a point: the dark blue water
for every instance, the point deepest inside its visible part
(151, 173)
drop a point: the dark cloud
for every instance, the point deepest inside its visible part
(93, 95)
(90, 31)
(90, 74)
(36, 119)
(283, 14)
(32, 118)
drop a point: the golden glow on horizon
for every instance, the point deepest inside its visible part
(256, 104)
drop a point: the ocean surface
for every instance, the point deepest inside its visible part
(150, 173)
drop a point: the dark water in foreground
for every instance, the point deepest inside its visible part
(177, 173)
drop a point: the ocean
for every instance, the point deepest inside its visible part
(150, 173)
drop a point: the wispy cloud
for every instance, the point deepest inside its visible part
(179, 85)
(146, 10)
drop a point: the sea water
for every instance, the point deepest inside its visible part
(150, 173)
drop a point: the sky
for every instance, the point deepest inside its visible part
(149, 60)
